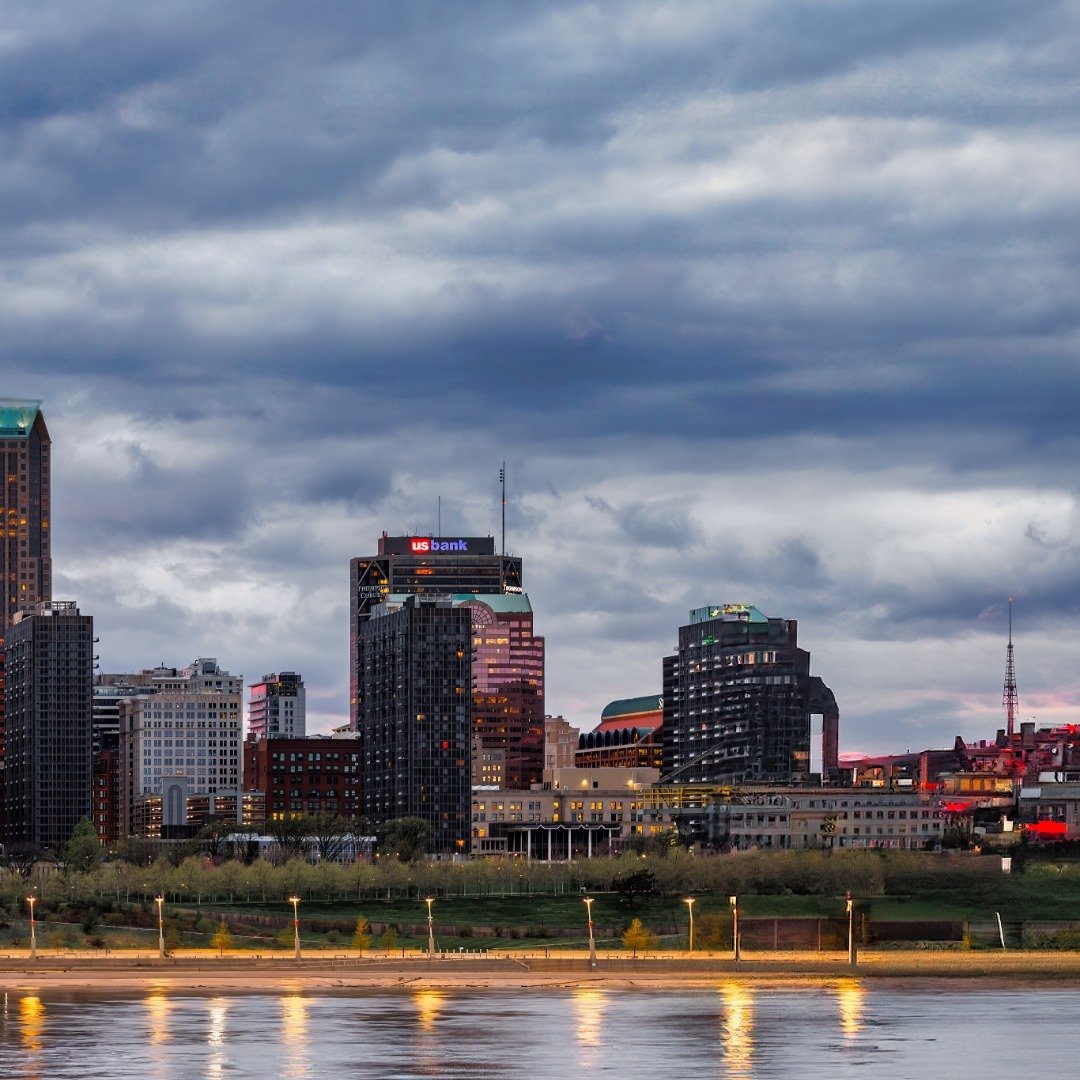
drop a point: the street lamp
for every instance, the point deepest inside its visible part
(852, 950)
(31, 900)
(588, 901)
(736, 951)
(295, 901)
(429, 900)
(160, 900)
(690, 907)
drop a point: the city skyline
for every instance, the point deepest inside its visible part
(760, 303)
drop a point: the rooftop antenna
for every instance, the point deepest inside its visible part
(1009, 699)
(438, 530)
(502, 485)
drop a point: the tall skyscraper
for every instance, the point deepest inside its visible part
(24, 527)
(277, 707)
(506, 656)
(507, 684)
(423, 565)
(49, 690)
(738, 697)
(24, 454)
(414, 700)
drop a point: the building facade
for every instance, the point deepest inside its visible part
(419, 566)
(25, 469)
(628, 736)
(277, 707)
(318, 774)
(560, 742)
(508, 684)
(574, 814)
(49, 689)
(827, 818)
(414, 706)
(189, 726)
(738, 697)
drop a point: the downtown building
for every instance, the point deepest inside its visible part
(738, 698)
(414, 701)
(440, 584)
(50, 663)
(25, 562)
(277, 707)
(317, 774)
(182, 737)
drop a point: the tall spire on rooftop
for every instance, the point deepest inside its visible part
(1009, 699)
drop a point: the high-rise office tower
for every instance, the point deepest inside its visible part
(276, 707)
(507, 657)
(414, 700)
(24, 526)
(49, 688)
(424, 565)
(182, 737)
(738, 697)
(507, 684)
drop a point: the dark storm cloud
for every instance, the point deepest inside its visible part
(762, 301)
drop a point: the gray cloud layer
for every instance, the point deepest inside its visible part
(762, 301)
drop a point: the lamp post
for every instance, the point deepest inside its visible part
(690, 907)
(429, 900)
(588, 901)
(31, 900)
(295, 901)
(852, 949)
(160, 900)
(736, 950)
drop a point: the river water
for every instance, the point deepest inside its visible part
(737, 1029)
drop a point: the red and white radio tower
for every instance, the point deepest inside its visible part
(1009, 700)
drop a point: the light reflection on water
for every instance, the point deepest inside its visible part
(850, 993)
(736, 1029)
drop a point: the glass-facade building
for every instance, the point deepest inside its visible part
(738, 698)
(423, 566)
(48, 771)
(414, 701)
(25, 561)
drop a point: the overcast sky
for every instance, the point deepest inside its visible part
(767, 302)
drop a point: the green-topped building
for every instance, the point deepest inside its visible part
(24, 522)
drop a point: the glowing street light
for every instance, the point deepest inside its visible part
(588, 901)
(31, 900)
(736, 950)
(690, 907)
(852, 949)
(295, 901)
(160, 901)
(429, 900)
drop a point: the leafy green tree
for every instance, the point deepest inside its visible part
(362, 935)
(172, 940)
(290, 831)
(712, 932)
(389, 938)
(83, 852)
(222, 940)
(408, 838)
(634, 883)
(637, 937)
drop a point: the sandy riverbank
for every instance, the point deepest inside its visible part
(92, 972)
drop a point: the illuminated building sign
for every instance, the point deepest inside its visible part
(436, 545)
(420, 545)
